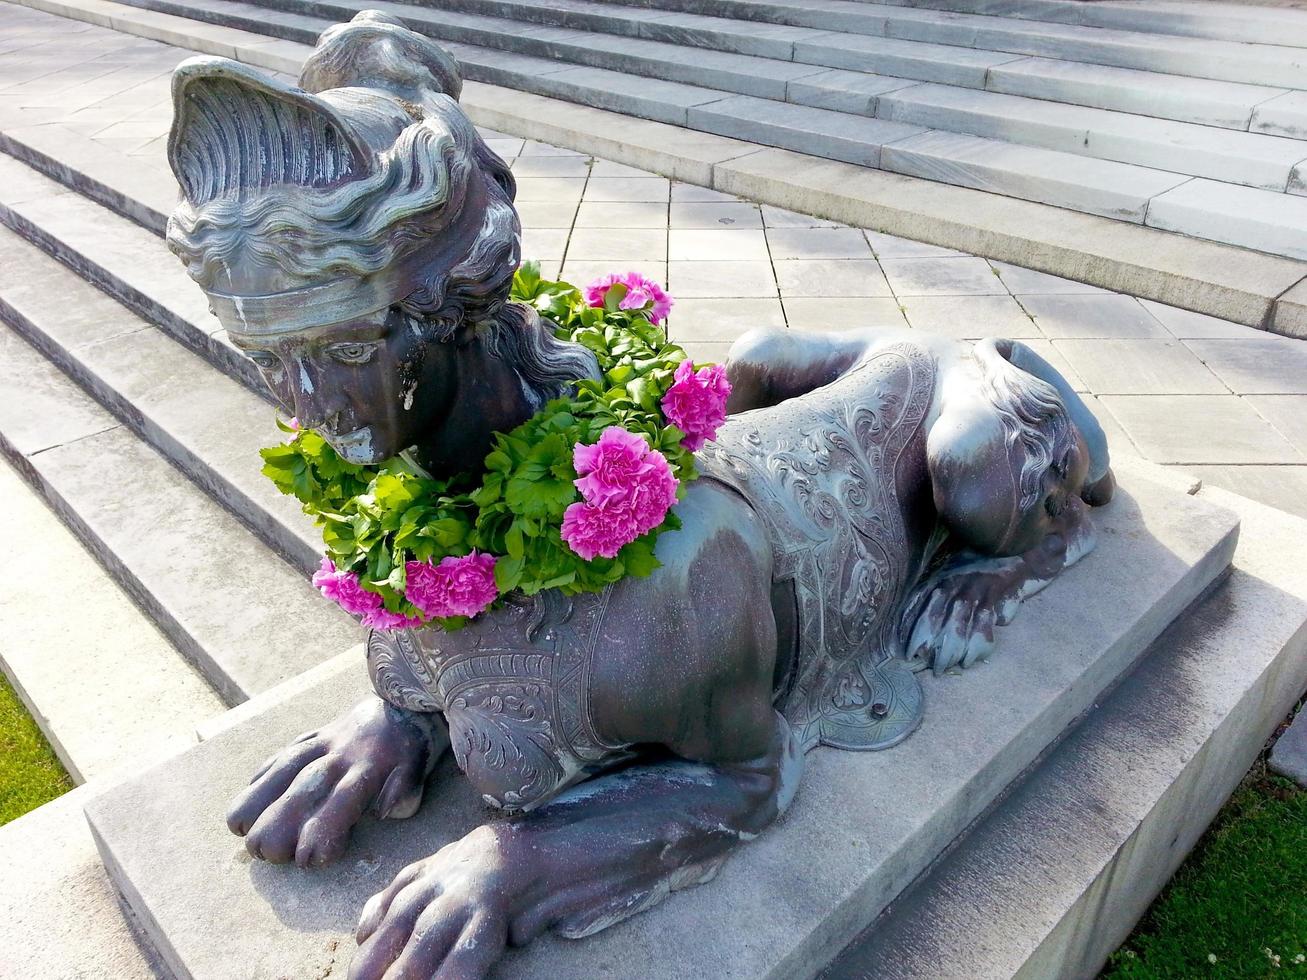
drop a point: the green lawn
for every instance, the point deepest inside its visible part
(1237, 908)
(29, 772)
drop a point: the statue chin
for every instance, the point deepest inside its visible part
(358, 447)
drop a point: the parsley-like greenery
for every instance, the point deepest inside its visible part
(376, 518)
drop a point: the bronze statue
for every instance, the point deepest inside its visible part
(877, 503)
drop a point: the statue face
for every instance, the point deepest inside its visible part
(1063, 480)
(371, 387)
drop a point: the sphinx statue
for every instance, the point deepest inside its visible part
(877, 503)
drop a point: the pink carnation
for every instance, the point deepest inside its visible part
(641, 294)
(456, 587)
(627, 490)
(696, 403)
(345, 589)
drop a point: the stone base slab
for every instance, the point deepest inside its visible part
(863, 827)
(1051, 882)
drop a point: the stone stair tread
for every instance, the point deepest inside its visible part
(1254, 159)
(824, 859)
(99, 678)
(130, 263)
(835, 135)
(1115, 190)
(205, 422)
(1241, 215)
(243, 616)
(1284, 115)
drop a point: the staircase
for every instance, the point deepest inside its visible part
(1129, 111)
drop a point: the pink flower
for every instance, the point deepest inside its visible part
(641, 294)
(456, 587)
(627, 490)
(590, 530)
(294, 424)
(345, 589)
(696, 403)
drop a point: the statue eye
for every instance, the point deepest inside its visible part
(352, 353)
(264, 359)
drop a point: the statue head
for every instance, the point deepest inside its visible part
(350, 233)
(1015, 450)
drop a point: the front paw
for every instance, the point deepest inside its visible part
(956, 626)
(303, 803)
(446, 916)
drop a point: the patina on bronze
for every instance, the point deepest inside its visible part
(877, 503)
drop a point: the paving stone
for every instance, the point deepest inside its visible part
(1289, 754)
(817, 243)
(1186, 324)
(1257, 365)
(45, 416)
(607, 168)
(1140, 367)
(544, 243)
(543, 166)
(627, 189)
(691, 192)
(550, 190)
(941, 277)
(1020, 280)
(842, 313)
(738, 214)
(894, 247)
(607, 214)
(780, 218)
(1288, 413)
(1283, 487)
(105, 686)
(1218, 429)
(580, 273)
(1246, 216)
(687, 279)
(617, 244)
(1166, 547)
(550, 214)
(717, 245)
(970, 317)
(830, 277)
(1046, 350)
(722, 319)
(1066, 317)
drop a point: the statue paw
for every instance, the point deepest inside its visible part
(303, 803)
(445, 916)
(956, 626)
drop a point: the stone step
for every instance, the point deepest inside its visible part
(105, 686)
(1249, 22)
(1240, 215)
(1053, 880)
(1271, 64)
(208, 425)
(240, 614)
(122, 258)
(862, 827)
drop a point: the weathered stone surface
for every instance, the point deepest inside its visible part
(104, 685)
(863, 826)
(1053, 880)
(1289, 754)
(1265, 220)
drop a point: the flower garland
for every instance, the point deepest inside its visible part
(573, 499)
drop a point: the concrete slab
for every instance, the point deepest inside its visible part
(1140, 367)
(1218, 429)
(1050, 883)
(863, 826)
(1265, 220)
(1289, 754)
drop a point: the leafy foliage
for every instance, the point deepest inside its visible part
(376, 518)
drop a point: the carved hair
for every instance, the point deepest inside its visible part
(1031, 412)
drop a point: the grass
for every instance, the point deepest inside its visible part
(30, 774)
(1237, 908)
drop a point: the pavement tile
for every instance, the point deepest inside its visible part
(830, 277)
(702, 214)
(547, 214)
(1264, 365)
(528, 166)
(627, 189)
(818, 243)
(1021, 280)
(627, 214)
(1140, 367)
(722, 319)
(1218, 429)
(582, 272)
(774, 217)
(941, 277)
(552, 190)
(1288, 413)
(843, 313)
(705, 280)
(893, 247)
(533, 148)
(742, 244)
(693, 192)
(607, 168)
(1106, 315)
(544, 243)
(970, 317)
(1189, 325)
(506, 148)
(618, 245)
(707, 351)
(1281, 487)
(1046, 350)
(1119, 442)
